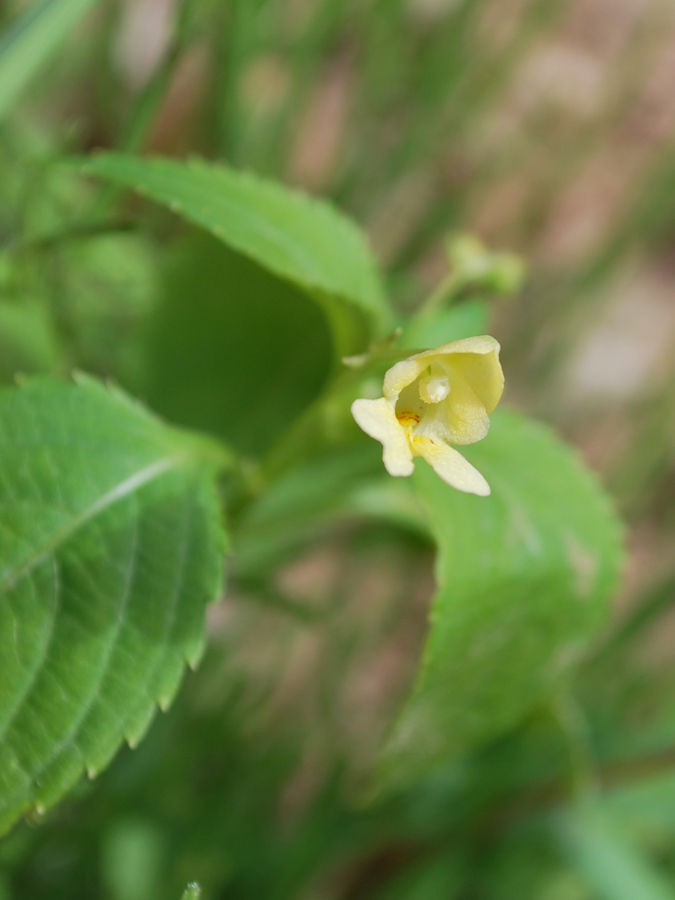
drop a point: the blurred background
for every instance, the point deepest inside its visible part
(545, 127)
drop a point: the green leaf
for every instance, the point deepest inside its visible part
(440, 326)
(613, 866)
(29, 41)
(644, 808)
(110, 548)
(132, 855)
(298, 238)
(524, 578)
(232, 349)
(298, 505)
(28, 342)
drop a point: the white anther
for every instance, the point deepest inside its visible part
(434, 388)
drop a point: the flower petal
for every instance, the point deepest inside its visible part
(465, 415)
(484, 375)
(478, 358)
(401, 375)
(378, 419)
(451, 466)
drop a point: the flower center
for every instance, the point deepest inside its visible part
(434, 388)
(408, 420)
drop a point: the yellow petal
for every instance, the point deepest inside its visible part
(378, 420)
(484, 375)
(481, 345)
(477, 357)
(465, 415)
(451, 466)
(401, 375)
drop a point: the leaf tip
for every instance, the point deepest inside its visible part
(194, 658)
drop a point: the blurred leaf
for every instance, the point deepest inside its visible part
(613, 867)
(28, 343)
(132, 861)
(298, 238)
(524, 578)
(391, 500)
(110, 547)
(108, 292)
(292, 511)
(232, 349)
(442, 325)
(645, 808)
(28, 42)
(438, 879)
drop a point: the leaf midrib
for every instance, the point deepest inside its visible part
(123, 489)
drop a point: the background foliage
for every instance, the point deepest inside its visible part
(544, 127)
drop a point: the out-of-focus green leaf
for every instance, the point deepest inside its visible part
(613, 867)
(28, 343)
(524, 580)
(440, 326)
(391, 500)
(334, 485)
(131, 859)
(439, 879)
(110, 548)
(232, 349)
(645, 808)
(298, 238)
(292, 510)
(109, 288)
(29, 41)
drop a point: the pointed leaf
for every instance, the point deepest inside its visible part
(524, 579)
(110, 548)
(298, 238)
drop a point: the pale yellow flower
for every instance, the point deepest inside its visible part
(434, 399)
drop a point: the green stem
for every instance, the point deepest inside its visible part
(303, 437)
(234, 51)
(444, 294)
(658, 602)
(572, 721)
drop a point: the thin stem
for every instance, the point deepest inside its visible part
(302, 437)
(572, 721)
(658, 602)
(444, 294)
(234, 51)
(268, 595)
